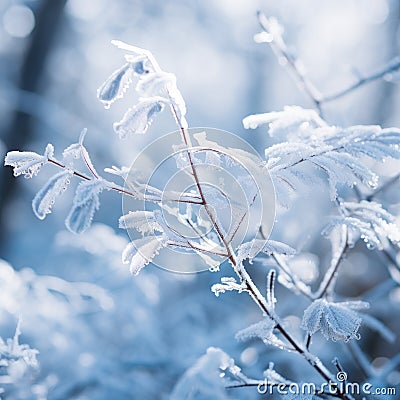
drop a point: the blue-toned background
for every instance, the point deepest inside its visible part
(116, 336)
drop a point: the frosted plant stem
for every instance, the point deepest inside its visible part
(242, 273)
(116, 187)
(331, 275)
(281, 52)
(293, 280)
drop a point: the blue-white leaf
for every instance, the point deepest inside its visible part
(368, 220)
(263, 330)
(139, 64)
(156, 84)
(85, 204)
(292, 120)
(141, 252)
(337, 321)
(28, 163)
(115, 86)
(142, 221)
(339, 152)
(137, 119)
(45, 198)
(250, 249)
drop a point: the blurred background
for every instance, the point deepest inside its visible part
(102, 333)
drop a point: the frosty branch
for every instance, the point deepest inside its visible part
(307, 141)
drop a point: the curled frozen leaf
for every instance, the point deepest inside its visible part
(28, 163)
(115, 86)
(142, 221)
(141, 252)
(138, 64)
(337, 321)
(85, 204)
(137, 119)
(45, 198)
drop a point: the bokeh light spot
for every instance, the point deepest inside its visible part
(18, 21)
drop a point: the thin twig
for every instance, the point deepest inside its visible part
(281, 51)
(118, 188)
(285, 269)
(331, 275)
(242, 273)
(391, 66)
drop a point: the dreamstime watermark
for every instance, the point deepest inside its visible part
(331, 387)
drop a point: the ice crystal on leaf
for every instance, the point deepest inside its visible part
(337, 321)
(85, 203)
(28, 163)
(137, 119)
(337, 151)
(227, 284)
(45, 198)
(141, 252)
(142, 221)
(293, 121)
(115, 86)
(368, 220)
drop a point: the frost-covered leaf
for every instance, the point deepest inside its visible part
(263, 330)
(141, 252)
(45, 198)
(227, 284)
(28, 163)
(115, 85)
(250, 249)
(368, 220)
(78, 150)
(85, 204)
(140, 64)
(339, 152)
(156, 84)
(137, 119)
(293, 120)
(337, 321)
(142, 221)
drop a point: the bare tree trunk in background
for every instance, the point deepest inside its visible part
(20, 131)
